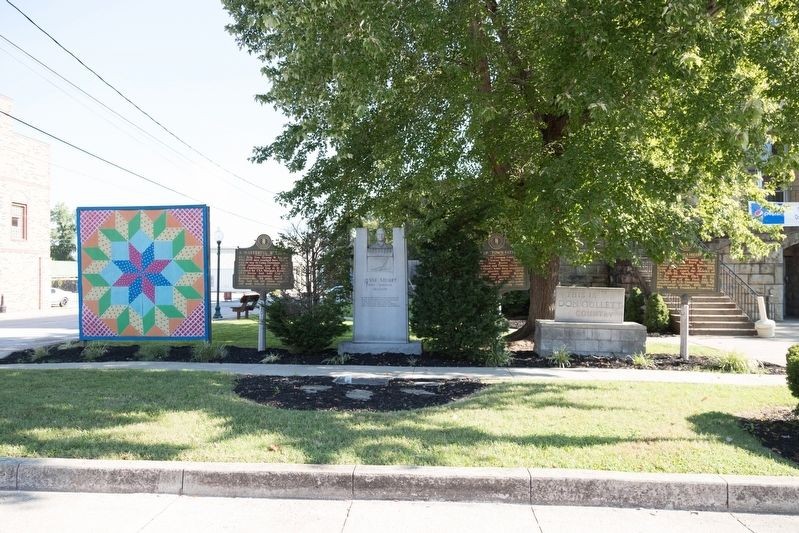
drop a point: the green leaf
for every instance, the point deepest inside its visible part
(159, 225)
(134, 225)
(148, 321)
(189, 292)
(96, 280)
(104, 303)
(170, 311)
(188, 266)
(123, 321)
(179, 243)
(96, 253)
(112, 235)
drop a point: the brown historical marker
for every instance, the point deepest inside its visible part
(501, 266)
(262, 268)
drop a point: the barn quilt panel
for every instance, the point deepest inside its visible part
(144, 273)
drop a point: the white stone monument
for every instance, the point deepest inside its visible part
(380, 296)
(589, 321)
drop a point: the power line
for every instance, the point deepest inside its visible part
(90, 96)
(128, 171)
(96, 100)
(190, 147)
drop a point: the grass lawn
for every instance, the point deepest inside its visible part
(655, 346)
(195, 416)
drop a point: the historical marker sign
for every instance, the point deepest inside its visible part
(696, 273)
(501, 266)
(262, 268)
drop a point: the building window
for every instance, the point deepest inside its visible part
(19, 222)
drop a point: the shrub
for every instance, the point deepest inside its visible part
(39, 353)
(152, 352)
(793, 369)
(516, 304)
(656, 315)
(560, 357)
(733, 362)
(634, 305)
(205, 352)
(304, 325)
(642, 360)
(94, 350)
(271, 358)
(454, 309)
(340, 359)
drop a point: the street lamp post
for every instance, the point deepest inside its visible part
(219, 235)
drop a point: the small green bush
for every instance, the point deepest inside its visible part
(634, 305)
(205, 352)
(733, 362)
(454, 309)
(271, 358)
(340, 359)
(560, 357)
(644, 361)
(516, 304)
(152, 352)
(792, 369)
(656, 315)
(39, 353)
(304, 326)
(94, 350)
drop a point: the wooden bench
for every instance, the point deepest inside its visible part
(248, 302)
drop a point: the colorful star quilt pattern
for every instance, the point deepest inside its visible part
(143, 272)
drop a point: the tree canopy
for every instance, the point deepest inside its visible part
(585, 129)
(62, 233)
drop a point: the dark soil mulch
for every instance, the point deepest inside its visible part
(777, 429)
(235, 354)
(287, 393)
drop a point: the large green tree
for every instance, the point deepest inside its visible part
(588, 129)
(62, 233)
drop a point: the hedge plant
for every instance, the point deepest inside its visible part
(657, 318)
(304, 325)
(792, 370)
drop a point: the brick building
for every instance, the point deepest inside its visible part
(24, 218)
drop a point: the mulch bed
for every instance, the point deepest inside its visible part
(235, 354)
(777, 429)
(323, 393)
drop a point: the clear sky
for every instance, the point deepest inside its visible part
(176, 61)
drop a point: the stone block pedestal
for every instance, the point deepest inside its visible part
(408, 348)
(586, 338)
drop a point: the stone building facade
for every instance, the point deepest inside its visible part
(24, 218)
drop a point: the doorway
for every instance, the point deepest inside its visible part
(791, 269)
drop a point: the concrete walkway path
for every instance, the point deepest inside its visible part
(409, 372)
(35, 512)
(770, 350)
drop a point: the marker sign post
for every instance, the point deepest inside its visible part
(262, 268)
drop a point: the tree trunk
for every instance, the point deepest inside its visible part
(542, 299)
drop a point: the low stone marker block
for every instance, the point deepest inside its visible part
(243, 480)
(78, 475)
(508, 485)
(628, 489)
(589, 304)
(623, 339)
(763, 494)
(8, 474)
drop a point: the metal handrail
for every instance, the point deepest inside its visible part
(740, 292)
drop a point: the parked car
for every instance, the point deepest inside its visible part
(60, 297)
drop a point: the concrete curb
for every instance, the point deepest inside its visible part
(699, 492)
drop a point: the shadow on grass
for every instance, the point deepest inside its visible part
(724, 428)
(160, 415)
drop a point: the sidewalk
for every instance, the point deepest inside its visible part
(36, 512)
(410, 372)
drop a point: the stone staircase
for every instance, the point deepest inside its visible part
(714, 314)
